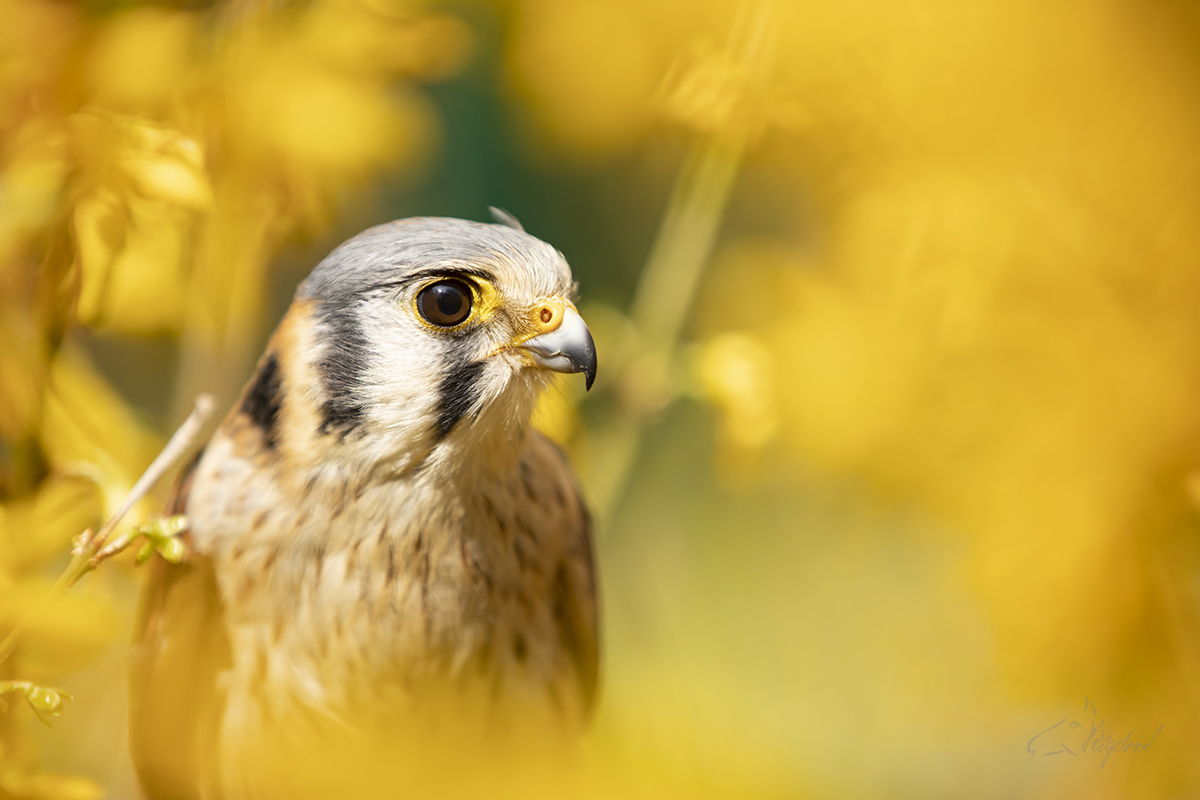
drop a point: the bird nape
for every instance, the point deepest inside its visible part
(390, 569)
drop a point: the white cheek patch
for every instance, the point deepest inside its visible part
(399, 382)
(404, 387)
(417, 385)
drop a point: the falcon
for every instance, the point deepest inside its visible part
(384, 553)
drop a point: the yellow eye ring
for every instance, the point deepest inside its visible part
(445, 303)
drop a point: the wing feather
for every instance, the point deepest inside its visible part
(575, 604)
(179, 648)
(577, 614)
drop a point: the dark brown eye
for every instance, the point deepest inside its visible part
(445, 303)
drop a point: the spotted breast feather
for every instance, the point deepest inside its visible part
(385, 556)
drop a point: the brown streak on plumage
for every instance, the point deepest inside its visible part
(318, 563)
(527, 529)
(525, 603)
(527, 483)
(272, 555)
(390, 576)
(576, 627)
(365, 597)
(490, 509)
(519, 552)
(365, 483)
(424, 575)
(339, 504)
(478, 574)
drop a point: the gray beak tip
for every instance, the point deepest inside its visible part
(589, 364)
(568, 349)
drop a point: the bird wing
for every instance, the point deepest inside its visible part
(576, 612)
(179, 648)
(575, 606)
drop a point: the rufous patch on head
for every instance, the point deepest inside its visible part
(259, 418)
(297, 419)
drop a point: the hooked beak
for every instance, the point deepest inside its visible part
(567, 348)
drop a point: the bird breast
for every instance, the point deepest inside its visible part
(354, 602)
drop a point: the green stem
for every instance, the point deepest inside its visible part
(682, 248)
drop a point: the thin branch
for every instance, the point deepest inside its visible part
(90, 550)
(176, 448)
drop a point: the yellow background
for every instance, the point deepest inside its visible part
(917, 477)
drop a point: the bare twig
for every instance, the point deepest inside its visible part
(176, 448)
(90, 550)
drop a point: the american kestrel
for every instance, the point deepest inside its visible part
(379, 537)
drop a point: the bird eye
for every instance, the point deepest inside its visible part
(445, 303)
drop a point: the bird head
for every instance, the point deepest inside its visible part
(424, 335)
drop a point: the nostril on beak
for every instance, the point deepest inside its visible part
(548, 316)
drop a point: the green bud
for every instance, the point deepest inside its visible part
(172, 550)
(45, 701)
(174, 525)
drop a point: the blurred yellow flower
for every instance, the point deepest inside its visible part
(138, 189)
(89, 431)
(141, 59)
(556, 414)
(154, 158)
(735, 371)
(973, 227)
